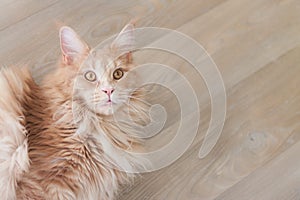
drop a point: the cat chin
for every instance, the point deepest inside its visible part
(107, 109)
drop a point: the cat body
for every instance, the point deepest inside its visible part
(56, 141)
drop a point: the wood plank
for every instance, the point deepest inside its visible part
(278, 180)
(94, 21)
(16, 11)
(260, 124)
(256, 45)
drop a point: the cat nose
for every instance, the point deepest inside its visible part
(108, 91)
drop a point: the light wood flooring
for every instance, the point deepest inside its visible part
(255, 44)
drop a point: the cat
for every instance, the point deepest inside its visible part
(59, 139)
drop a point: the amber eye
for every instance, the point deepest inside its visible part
(90, 76)
(118, 73)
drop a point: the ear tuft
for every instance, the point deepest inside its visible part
(72, 46)
(125, 41)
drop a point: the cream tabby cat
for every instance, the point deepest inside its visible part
(59, 140)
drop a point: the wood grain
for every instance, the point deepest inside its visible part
(256, 46)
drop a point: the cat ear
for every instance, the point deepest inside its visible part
(72, 47)
(125, 41)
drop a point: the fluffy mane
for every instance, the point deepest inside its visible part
(73, 151)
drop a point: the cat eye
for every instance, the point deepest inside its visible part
(118, 73)
(90, 76)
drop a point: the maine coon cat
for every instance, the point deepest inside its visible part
(59, 139)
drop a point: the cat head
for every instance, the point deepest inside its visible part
(99, 71)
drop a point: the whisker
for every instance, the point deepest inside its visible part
(137, 109)
(141, 100)
(131, 106)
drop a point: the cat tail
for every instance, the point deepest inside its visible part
(14, 160)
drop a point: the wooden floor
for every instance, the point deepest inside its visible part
(255, 44)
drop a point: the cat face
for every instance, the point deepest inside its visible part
(100, 83)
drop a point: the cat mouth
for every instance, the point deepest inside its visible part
(109, 102)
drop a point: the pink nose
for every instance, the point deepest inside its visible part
(108, 91)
